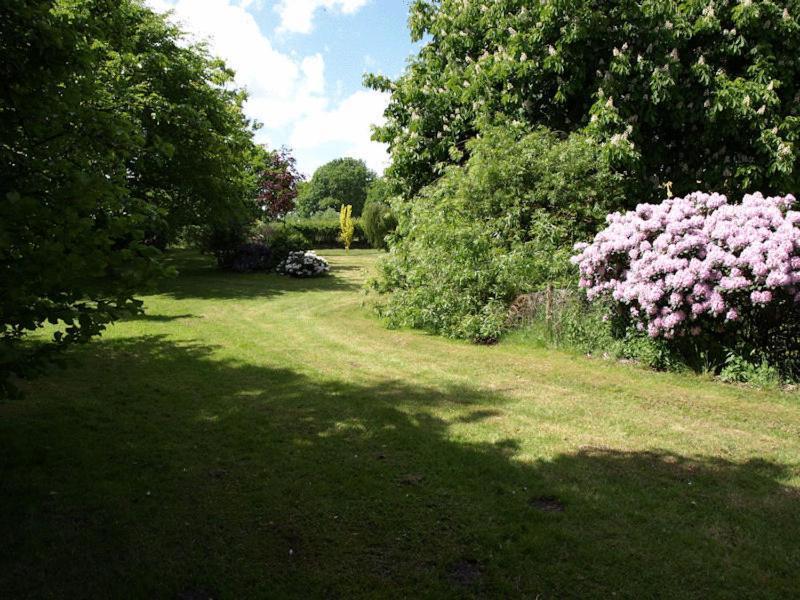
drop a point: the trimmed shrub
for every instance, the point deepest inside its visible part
(323, 232)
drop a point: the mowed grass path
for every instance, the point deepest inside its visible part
(256, 436)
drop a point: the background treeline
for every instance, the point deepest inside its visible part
(312, 215)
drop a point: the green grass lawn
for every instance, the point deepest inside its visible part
(257, 436)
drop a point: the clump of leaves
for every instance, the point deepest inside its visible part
(501, 225)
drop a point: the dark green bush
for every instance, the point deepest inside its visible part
(223, 241)
(378, 221)
(259, 248)
(250, 257)
(502, 225)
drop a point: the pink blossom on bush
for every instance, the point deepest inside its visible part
(696, 259)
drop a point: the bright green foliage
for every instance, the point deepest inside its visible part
(688, 92)
(378, 221)
(500, 226)
(198, 161)
(341, 181)
(114, 135)
(346, 226)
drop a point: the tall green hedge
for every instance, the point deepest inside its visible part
(324, 232)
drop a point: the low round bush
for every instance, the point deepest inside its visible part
(304, 264)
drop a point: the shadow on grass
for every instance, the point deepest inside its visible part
(200, 278)
(151, 318)
(176, 474)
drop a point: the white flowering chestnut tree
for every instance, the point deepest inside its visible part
(700, 93)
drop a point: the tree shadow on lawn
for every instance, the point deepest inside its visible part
(200, 278)
(157, 318)
(175, 474)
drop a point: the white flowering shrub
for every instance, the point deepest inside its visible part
(304, 264)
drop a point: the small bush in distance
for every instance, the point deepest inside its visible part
(250, 257)
(282, 240)
(304, 265)
(346, 226)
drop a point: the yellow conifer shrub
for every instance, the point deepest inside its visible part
(346, 225)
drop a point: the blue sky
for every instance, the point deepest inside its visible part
(303, 62)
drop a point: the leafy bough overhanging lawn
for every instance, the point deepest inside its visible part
(256, 435)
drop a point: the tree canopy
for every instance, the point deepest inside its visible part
(697, 93)
(278, 183)
(341, 181)
(115, 134)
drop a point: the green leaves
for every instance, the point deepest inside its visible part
(501, 225)
(113, 137)
(680, 75)
(341, 181)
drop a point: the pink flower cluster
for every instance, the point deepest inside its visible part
(688, 261)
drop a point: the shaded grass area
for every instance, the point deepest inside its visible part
(256, 436)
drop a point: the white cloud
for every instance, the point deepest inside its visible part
(281, 88)
(348, 125)
(286, 93)
(297, 16)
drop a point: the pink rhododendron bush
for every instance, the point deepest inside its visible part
(702, 265)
